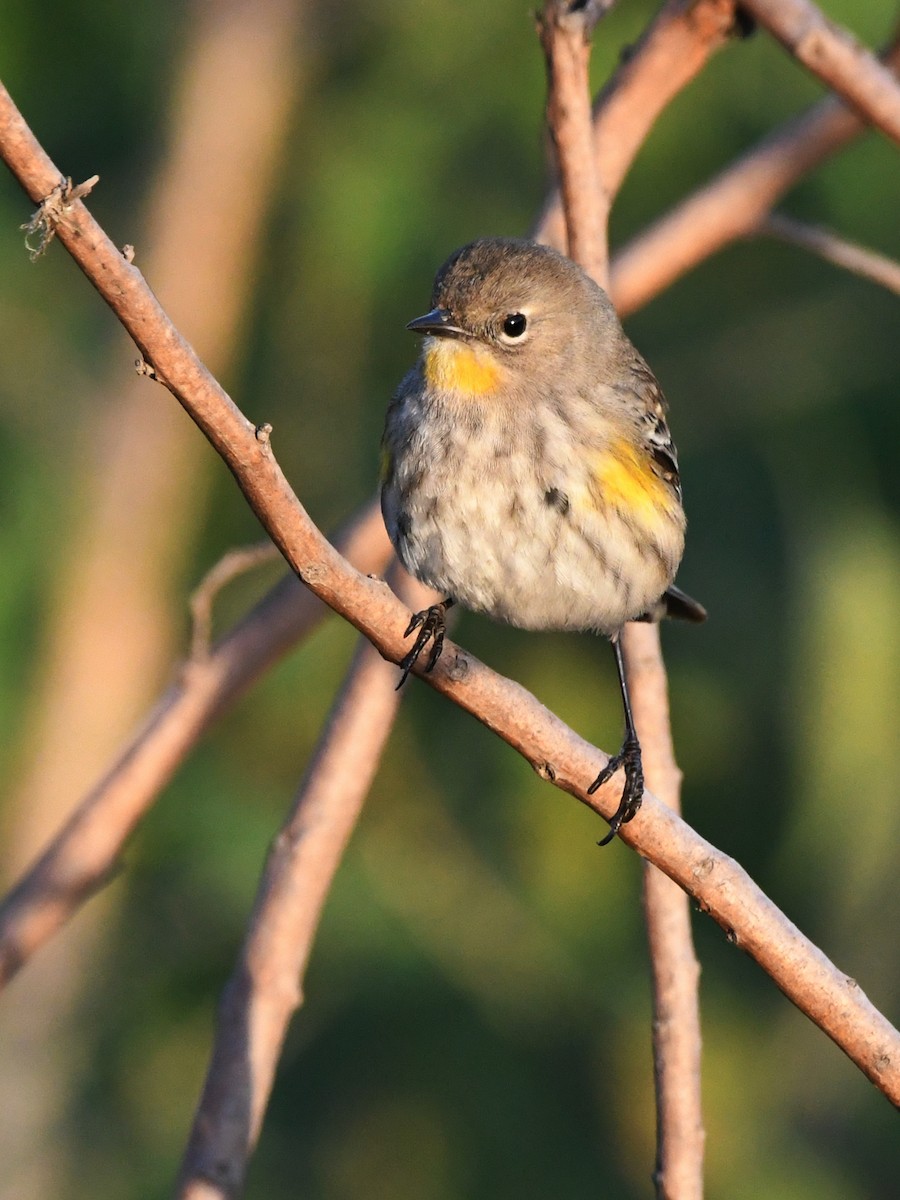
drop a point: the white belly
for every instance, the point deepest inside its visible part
(511, 554)
(481, 512)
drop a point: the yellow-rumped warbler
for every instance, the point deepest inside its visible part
(528, 471)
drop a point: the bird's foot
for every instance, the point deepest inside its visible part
(431, 624)
(629, 757)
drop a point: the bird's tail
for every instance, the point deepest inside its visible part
(676, 604)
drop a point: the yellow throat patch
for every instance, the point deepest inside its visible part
(452, 365)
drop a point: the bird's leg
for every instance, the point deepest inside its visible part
(628, 757)
(431, 625)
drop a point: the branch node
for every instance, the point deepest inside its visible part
(80, 190)
(575, 16)
(264, 433)
(128, 252)
(745, 24)
(50, 212)
(704, 868)
(459, 670)
(144, 368)
(546, 771)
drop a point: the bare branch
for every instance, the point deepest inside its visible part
(732, 204)
(82, 856)
(718, 884)
(676, 1042)
(834, 54)
(671, 52)
(680, 1137)
(565, 36)
(265, 987)
(877, 268)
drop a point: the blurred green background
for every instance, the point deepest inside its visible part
(476, 1021)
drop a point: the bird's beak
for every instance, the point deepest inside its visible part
(438, 323)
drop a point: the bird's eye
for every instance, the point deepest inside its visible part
(514, 324)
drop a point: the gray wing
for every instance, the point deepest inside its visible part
(651, 411)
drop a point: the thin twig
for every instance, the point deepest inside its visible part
(718, 884)
(83, 854)
(676, 1040)
(670, 53)
(733, 203)
(232, 564)
(265, 987)
(836, 57)
(877, 268)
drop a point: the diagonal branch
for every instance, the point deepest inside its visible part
(82, 856)
(836, 57)
(732, 204)
(868, 264)
(265, 987)
(716, 882)
(672, 51)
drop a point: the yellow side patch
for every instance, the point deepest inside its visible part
(623, 479)
(456, 366)
(385, 464)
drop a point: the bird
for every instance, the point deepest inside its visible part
(527, 470)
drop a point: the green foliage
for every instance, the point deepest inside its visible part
(476, 1019)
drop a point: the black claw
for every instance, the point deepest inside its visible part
(415, 621)
(432, 622)
(437, 646)
(629, 758)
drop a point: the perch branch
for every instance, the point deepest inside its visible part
(718, 884)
